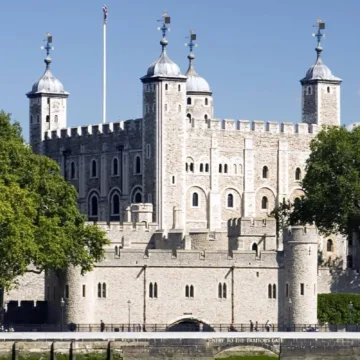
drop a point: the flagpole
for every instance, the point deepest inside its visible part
(104, 71)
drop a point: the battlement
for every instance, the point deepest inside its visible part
(251, 226)
(95, 130)
(257, 126)
(304, 234)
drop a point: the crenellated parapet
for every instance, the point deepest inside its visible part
(127, 126)
(251, 226)
(256, 126)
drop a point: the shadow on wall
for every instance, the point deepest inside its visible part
(27, 312)
(190, 325)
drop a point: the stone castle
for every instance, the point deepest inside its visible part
(185, 199)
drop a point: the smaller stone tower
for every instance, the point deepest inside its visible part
(199, 102)
(320, 90)
(300, 265)
(47, 103)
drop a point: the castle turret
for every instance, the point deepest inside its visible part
(300, 304)
(47, 103)
(164, 92)
(320, 90)
(199, 102)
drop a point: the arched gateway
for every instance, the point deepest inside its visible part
(189, 324)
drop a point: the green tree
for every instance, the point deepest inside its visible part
(41, 228)
(331, 183)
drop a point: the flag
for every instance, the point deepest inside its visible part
(105, 10)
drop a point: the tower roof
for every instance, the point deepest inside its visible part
(319, 71)
(48, 83)
(194, 82)
(163, 66)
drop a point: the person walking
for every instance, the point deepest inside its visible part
(251, 326)
(102, 326)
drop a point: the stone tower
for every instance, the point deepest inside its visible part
(199, 102)
(47, 104)
(164, 92)
(320, 90)
(300, 264)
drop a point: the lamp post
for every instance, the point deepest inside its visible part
(290, 305)
(129, 308)
(62, 305)
(351, 305)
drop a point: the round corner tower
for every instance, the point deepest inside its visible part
(300, 265)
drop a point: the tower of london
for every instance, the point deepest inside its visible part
(185, 199)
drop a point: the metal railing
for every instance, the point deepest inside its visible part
(182, 327)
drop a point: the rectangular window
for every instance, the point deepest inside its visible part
(66, 291)
(148, 151)
(302, 289)
(287, 290)
(84, 290)
(173, 179)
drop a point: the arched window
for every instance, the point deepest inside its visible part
(201, 167)
(269, 291)
(189, 117)
(179, 108)
(264, 203)
(309, 90)
(205, 117)
(230, 201)
(187, 167)
(224, 291)
(192, 167)
(235, 169)
(206, 101)
(225, 168)
(115, 204)
(166, 87)
(72, 170)
(254, 248)
(138, 198)
(56, 118)
(206, 167)
(265, 172)
(220, 291)
(349, 259)
(188, 101)
(191, 291)
(220, 168)
(179, 87)
(115, 167)
(94, 205)
(274, 292)
(104, 290)
(195, 199)
(116, 250)
(297, 202)
(328, 89)
(47, 118)
(187, 293)
(329, 246)
(93, 168)
(137, 165)
(151, 293)
(99, 290)
(155, 291)
(298, 174)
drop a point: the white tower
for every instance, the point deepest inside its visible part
(164, 92)
(47, 103)
(301, 257)
(199, 102)
(320, 90)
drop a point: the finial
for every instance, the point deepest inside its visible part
(164, 28)
(192, 38)
(319, 35)
(48, 47)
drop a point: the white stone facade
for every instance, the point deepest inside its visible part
(185, 200)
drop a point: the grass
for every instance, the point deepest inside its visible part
(251, 357)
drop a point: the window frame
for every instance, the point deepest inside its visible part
(195, 199)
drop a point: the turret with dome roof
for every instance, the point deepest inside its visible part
(320, 90)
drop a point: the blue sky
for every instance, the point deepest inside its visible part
(253, 53)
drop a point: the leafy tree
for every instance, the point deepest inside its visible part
(41, 228)
(331, 183)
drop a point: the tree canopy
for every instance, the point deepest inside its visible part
(331, 184)
(41, 228)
